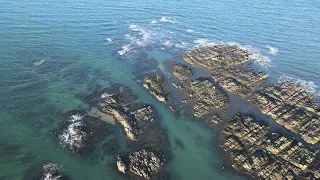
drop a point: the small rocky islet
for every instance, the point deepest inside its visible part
(250, 145)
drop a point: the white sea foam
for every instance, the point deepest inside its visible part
(108, 39)
(52, 172)
(190, 30)
(38, 62)
(133, 27)
(75, 117)
(307, 85)
(181, 45)
(254, 55)
(200, 42)
(204, 42)
(167, 43)
(105, 95)
(272, 50)
(72, 137)
(153, 22)
(167, 19)
(125, 49)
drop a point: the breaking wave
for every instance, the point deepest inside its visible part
(125, 49)
(72, 137)
(307, 85)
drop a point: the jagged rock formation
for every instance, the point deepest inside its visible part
(142, 163)
(291, 106)
(255, 150)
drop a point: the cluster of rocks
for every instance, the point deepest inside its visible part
(52, 171)
(292, 106)
(142, 163)
(141, 127)
(230, 67)
(81, 131)
(253, 149)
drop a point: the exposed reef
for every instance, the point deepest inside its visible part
(252, 147)
(230, 66)
(293, 107)
(267, 155)
(207, 97)
(142, 163)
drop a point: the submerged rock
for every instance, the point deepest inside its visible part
(81, 131)
(52, 171)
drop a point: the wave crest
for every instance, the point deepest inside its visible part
(167, 19)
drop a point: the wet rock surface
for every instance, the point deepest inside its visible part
(254, 149)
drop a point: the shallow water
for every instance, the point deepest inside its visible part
(50, 52)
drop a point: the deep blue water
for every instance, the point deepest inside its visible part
(53, 50)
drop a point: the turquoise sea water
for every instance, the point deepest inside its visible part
(54, 50)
